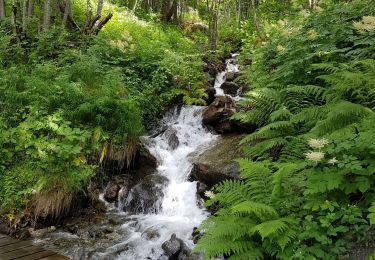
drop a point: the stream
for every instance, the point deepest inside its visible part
(176, 210)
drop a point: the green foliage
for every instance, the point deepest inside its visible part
(302, 197)
(66, 99)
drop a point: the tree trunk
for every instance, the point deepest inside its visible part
(66, 12)
(147, 6)
(212, 26)
(55, 4)
(100, 8)
(135, 5)
(47, 15)
(172, 10)
(238, 14)
(88, 18)
(13, 19)
(30, 8)
(2, 9)
(256, 18)
(24, 15)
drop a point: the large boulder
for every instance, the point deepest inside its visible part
(217, 115)
(217, 163)
(146, 195)
(118, 185)
(230, 88)
(145, 163)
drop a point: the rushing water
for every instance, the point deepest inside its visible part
(178, 211)
(230, 67)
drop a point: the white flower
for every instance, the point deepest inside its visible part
(314, 156)
(209, 194)
(332, 161)
(318, 143)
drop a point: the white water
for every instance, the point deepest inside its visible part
(179, 212)
(230, 67)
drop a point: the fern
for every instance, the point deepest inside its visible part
(341, 115)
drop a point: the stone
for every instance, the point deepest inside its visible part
(151, 234)
(230, 76)
(217, 114)
(145, 196)
(172, 246)
(144, 164)
(111, 191)
(196, 235)
(230, 88)
(217, 164)
(171, 135)
(211, 92)
(201, 188)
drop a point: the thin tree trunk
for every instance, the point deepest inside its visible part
(2, 9)
(30, 8)
(66, 12)
(99, 10)
(13, 19)
(47, 15)
(55, 4)
(147, 6)
(238, 14)
(212, 29)
(135, 5)
(247, 12)
(256, 18)
(24, 15)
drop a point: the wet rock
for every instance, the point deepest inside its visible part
(176, 249)
(145, 164)
(115, 221)
(111, 191)
(171, 135)
(151, 234)
(172, 246)
(217, 163)
(117, 187)
(230, 88)
(211, 92)
(201, 188)
(230, 76)
(196, 235)
(213, 67)
(211, 80)
(145, 196)
(217, 114)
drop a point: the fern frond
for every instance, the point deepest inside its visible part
(262, 149)
(341, 115)
(281, 114)
(260, 210)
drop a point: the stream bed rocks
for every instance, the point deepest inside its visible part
(176, 249)
(217, 163)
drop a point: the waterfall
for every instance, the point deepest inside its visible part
(230, 67)
(179, 211)
(175, 208)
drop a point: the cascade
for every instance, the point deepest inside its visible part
(176, 210)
